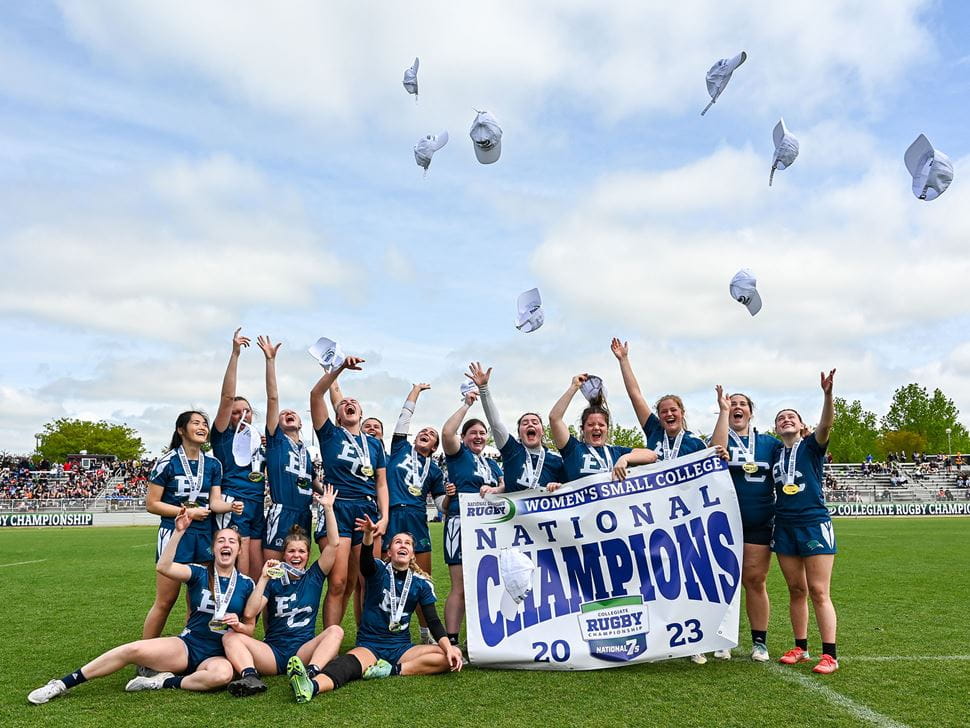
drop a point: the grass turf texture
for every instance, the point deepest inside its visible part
(900, 587)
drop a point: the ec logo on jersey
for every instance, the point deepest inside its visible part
(591, 465)
(183, 489)
(779, 475)
(348, 453)
(292, 615)
(615, 629)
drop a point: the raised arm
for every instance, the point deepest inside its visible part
(329, 553)
(318, 395)
(720, 436)
(257, 600)
(166, 565)
(557, 416)
(500, 433)
(407, 410)
(272, 393)
(621, 350)
(827, 418)
(228, 393)
(336, 394)
(449, 431)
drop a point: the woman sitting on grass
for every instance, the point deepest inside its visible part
(195, 659)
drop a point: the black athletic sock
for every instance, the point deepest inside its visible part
(453, 638)
(759, 636)
(312, 670)
(173, 683)
(75, 678)
(316, 688)
(396, 669)
(802, 644)
(248, 671)
(828, 648)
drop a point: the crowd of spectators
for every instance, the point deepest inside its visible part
(20, 479)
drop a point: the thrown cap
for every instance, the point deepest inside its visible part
(593, 387)
(467, 387)
(786, 149)
(486, 135)
(427, 146)
(515, 570)
(744, 290)
(327, 352)
(530, 315)
(411, 79)
(932, 170)
(719, 74)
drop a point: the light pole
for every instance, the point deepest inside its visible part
(948, 446)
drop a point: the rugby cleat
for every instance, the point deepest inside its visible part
(381, 668)
(246, 686)
(698, 659)
(722, 654)
(300, 682)
(759, 652)
(137, 684)
(794, 656)
(143, 671)
(826, 666)
(53, 689)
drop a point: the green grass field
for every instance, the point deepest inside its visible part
(900, 587)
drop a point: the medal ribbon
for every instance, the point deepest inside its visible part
(222, 600)
(533, 473)
(418, 476)
(397, 603)
(671, 452)
(482, 469)
(790, 470)
(195, 481)
(362, 452)
(290, 570)
(606, 466)
(747, 451)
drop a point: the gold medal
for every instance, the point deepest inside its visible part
(789, 489)
(275, 572)
(217, 625)
(190, 504)
(750, 467)
(414, 490)
(367, 470)
(256, 477)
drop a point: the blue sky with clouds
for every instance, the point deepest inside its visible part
(173, 171)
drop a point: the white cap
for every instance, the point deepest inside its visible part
(467, 387)
(328, 353)
(516, 571)
(719, 74)
(245, 442)
(593, 387)
(530, 315)
(786, 149)
(487, 137)
(427, 146)
(411, 79)
(932, 170)
(744, 289)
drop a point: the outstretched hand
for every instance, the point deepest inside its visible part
(353, 363)
(478, 375)
(267, 346)
(239, 342)
(183, 519)
(723, 403)
(579, 380)
(620, 349)
(827, 382)
(327, 498)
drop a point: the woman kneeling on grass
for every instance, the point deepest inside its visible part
(290, 593)
(392, 592)
(194, 660)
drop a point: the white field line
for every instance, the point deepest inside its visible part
(142, 545)
(858, 710)
(909, 658)
(21, 563)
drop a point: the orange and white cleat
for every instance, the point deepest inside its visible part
(826, 666)
(794, 656)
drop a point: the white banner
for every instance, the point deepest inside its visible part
(620, 572)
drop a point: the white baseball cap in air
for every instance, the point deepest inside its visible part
(427, 146)
(487, 137)
(744, 290)
(515, 570)
(719, 74)
(327, 352)
(786, 149)
(932, 170)
(593, 387)
(530, 315)
(467, 387)
(411, 79)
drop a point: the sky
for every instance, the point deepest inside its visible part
(171, 171)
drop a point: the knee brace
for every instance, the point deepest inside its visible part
(341, 670)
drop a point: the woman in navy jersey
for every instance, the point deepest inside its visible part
(752, 455)
(288, 465)
(804, 540)
(184, 477)
(290, 593)
(355, 464)
(593, 453)
(231, 431)
(195, 659)
(469, 471)
(393, 591)
(527, 464)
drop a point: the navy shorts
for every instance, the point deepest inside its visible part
(194, 548)
(390, 652)
(283, 651)
(408, 519)
(280, 519)
(347, 511)
(250, 523)
(758, 531)
(452, 540)
(804, 540)
(198, 651)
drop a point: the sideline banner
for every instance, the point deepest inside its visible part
(615, 572)
(941, 508)
(14, 520)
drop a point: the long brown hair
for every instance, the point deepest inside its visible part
(412, 564)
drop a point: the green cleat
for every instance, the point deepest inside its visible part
(299, 680)
(381, 668)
